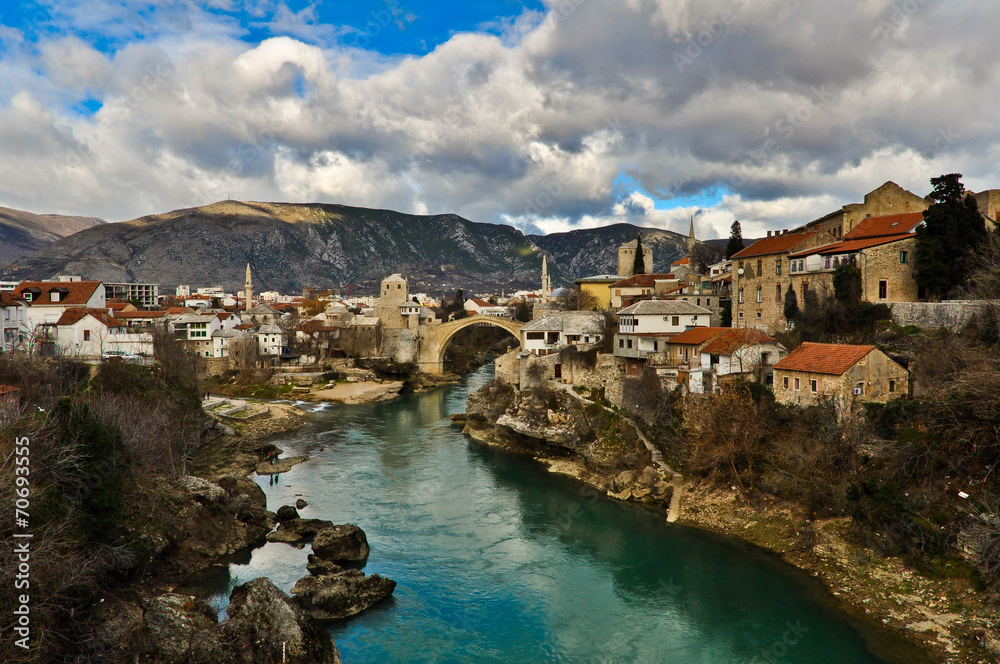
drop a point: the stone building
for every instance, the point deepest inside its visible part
(626, 259)
(761, 275)
(845, 374)
(888, 199)
(883, 249)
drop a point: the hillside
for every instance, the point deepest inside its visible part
(291, 246)
(23, 233)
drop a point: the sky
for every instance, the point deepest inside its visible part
(547, 115)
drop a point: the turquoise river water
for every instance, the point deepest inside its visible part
(499, 561)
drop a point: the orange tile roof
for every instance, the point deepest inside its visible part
(178, 310)
(698, 335)
(832, 359)
(850, 246)
(8, 300)
(115, 306)
(125, 315)
(641, 280)
(894, 224)
(74, 316)
(76, 292)
(733, 339)
(683, 261)
(776, 244)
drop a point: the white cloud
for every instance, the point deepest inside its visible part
(796, 109)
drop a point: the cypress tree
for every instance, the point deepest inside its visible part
(735, 240)
(638, 265)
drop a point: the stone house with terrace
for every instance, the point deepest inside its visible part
(559, 329)
(883, 249)
(647, 327)
(845, 374)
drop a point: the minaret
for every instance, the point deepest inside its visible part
(691, 246)
(546, 284)
(248, 291)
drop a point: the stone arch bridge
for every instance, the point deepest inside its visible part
(434, 339)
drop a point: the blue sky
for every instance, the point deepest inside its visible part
(547, 115)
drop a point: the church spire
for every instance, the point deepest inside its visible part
(248, 291)
(691, 244)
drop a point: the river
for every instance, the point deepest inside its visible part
(499, 561)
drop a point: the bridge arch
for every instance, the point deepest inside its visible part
(446, 331)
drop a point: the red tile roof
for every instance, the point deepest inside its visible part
(641, 280)
(8, 300)
(895, 224)
(683, 261)
(75, 292)
(126, 315)
(776, 244)
(850, 246)
(832, 359)
(735, 338)
(178, 310)
(698, 335)
(74, 316)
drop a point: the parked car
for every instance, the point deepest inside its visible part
(121, 356)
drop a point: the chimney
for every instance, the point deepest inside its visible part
(784, 231)
(769, 233)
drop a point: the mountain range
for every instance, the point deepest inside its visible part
(23, 233)
(290, 246)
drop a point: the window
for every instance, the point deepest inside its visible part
(796, 383)
(741, 296)
(883, 289)
(765, 359)
(629, 343)
(760, 266)
(904, 256)
(758, 314)
(784, 382)
(777, 266)
(826, 263)
(621, 343)
(760, 297)
(655, 346)
(792, 266)
(812, 385)
(86, 335)
(54, 296)
(675, 321)
(26, 295)
(777, 293)
(892, 386)
(698, 301)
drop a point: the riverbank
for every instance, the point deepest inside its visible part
(943, 619)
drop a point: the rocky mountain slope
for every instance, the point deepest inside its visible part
(23, 233)
(291, 246)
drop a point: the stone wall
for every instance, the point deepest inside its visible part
(507, 368)
(952, 314)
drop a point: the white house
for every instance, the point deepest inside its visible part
(13, 322)
(90, 333)
(271, 340)
(739, 351)
(484, 308)
(661, 317)
(562, 328)
(195, 331)
(222, 338)
(47, 300)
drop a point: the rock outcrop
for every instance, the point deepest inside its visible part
(220, 520)
(338, 593)
(296, 531)
(183, 630)
(267, 626)
(345, 543)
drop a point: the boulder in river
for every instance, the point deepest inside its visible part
(337, 595)
(267, 626)
(344, 543)
(297, 530)
(287, 513)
